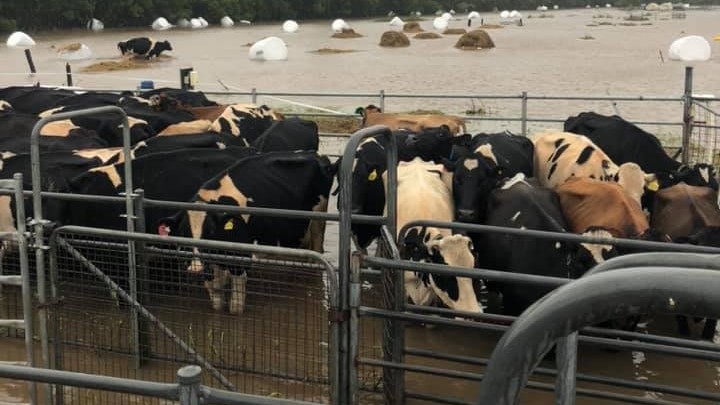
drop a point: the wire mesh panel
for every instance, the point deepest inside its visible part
(10, 295)
(276, 344)
(704, 139)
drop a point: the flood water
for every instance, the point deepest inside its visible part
(544, 57)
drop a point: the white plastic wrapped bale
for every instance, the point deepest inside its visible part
(473, 15)
(542, 8)
(504, 14)
(515, 14)
(195, 23)
(203, 22)
(270, 48)
(339, 25)
(183, 23)
(446, 16)
(74, 51)
(290, 26)
(161, 24)
(397, 22)
(693, 48)
(556, 7)
(95, 25)
(227, 22)
(19, 39)
(440, 23)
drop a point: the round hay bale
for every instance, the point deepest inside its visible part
(346, 33)
(476, 39)
(427, 35)
(491, 26)
(412, 27)
(454, 31)
(75, 46)
(394, 39)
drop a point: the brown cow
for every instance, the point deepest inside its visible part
(372, 115)
(561, 155)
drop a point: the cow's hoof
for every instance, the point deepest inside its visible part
(239, 289)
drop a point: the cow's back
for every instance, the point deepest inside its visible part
(421, 193)
(561, 155)
(682, 210)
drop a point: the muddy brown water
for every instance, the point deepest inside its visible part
(544, 57)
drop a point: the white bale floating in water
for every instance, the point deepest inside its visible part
(397, 22)
(542, 8)
(161, 24)
(245, 22)
(290, 26)
(74, 52)
(203, 22)
(473, 15)
(440, 23)
(515, 14)
(446, 16)
(504, 14)
(95, 25)
(339, 25)
(556, 7)
(183, 23)
(19, 39)
(195, 23)
(692, 48)
(270, 48)
(227, 22)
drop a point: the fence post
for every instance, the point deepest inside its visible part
(382, 100)
(142, 333)
(68, 74)
(354, 304)
(566, 360)
(523, 121)
(188, 378)
(687, 114)
(393, 329)
(253, 95)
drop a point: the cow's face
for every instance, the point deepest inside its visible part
(474, 177)
(432, 143)
(428, 245)
(368, 193)
(588, 255)
(165, 46)
(701, 175)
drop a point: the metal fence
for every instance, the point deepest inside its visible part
(122, 303)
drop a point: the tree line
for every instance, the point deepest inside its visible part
(33, 15)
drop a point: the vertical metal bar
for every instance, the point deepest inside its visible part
(143, 327)
(382, 100)
(687, 114)
(524, 114)
(253, 95)
(354, 326)
(188, 378)
(68, 74)
(25, 274)
(57, 363)
(393, 329)
(38, 221)
(345, 231)
(566, 361)
(334, 338)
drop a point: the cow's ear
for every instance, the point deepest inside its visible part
(462, 140)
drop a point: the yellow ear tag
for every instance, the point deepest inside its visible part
(653, 186)
(373, 175)
(229, 225)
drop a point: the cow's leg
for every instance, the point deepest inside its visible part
(239, 291)
(683, 325)
(216, 288)
(708, 332)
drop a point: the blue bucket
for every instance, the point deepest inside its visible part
(146, 85)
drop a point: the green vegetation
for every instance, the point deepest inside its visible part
(32, 15)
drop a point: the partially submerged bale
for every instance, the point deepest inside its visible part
(346, 33)
(490, 26)
(454, 31)
(428, 35)
(412, 27)
(394, 39)
(75, 46)
(476, 39)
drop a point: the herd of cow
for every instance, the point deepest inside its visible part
(603, 177)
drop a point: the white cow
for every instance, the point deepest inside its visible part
(424, 193)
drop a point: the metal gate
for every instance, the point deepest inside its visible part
(106, 321)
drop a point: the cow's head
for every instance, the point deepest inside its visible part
(700, 174)
(164, 46)
(431, 246)
(368, 193)
(635, 181)
(435, 143)
(474, 176)
(588, 255)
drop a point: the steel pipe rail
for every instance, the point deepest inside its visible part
(587, 301)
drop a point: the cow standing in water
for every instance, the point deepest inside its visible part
(144, 46)
(424, 194)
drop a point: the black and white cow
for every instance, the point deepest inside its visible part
(522, 203)
(286, 180)
(144, 46)
(33, 99)
(15, 130)
(562, 155)
(370, 163)
(423, 193)
(246, 121)
(290, 134)
(481, 165)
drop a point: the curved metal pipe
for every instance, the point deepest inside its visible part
(588, 301)
(665, 259)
